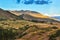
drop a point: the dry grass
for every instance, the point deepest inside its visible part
(36, 31)
(38, 15)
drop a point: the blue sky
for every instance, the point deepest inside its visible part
(51, 9)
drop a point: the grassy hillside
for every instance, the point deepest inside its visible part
(26, 30)
(28, 25)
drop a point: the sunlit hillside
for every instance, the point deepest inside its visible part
(32, 13)
(38, 15)
(28, 25)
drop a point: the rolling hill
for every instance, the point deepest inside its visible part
(28, 25)
(33, 16)
(25, 15)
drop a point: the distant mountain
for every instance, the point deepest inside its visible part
(57, 17)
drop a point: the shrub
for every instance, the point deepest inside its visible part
(7, 34)
(53, 36)
(54, 27)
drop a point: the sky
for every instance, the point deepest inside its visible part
(51, 9)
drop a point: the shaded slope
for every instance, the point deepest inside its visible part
(7, 15)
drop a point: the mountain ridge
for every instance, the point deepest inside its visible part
(26, 15)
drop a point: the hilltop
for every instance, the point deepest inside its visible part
(33, 16)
